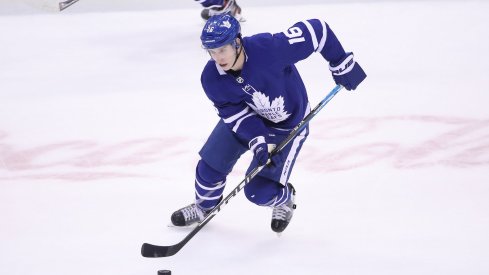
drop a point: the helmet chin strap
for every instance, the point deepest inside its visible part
(238, 53)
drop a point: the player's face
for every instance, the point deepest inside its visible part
(224, 56)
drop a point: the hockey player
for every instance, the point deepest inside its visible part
(214, 7)
(259, 95)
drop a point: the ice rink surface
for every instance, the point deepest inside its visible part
(102, 115)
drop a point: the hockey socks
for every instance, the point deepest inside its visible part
(209, 186)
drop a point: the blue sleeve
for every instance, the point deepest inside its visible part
(301, 40)
(238, 116)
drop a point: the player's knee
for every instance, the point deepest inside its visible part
(261, 191)
(251, 191)
(205, 173)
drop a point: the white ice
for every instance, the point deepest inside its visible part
(102, 115)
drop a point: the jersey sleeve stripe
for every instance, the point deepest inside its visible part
(236, 116)
(236, 126)
(323, 38)
(313, 34)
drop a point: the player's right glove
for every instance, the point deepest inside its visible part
(347, 72)
(259, 148)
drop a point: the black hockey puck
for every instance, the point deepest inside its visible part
(164, 272)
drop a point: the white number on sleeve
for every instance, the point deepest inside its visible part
(295, 35)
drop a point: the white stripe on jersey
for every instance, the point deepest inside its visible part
(236, 116)
(323, 39)
(236, 126)
(313, 34)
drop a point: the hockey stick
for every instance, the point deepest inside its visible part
(64, 4)
(155, 251)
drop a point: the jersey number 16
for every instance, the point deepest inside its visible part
(295, 35)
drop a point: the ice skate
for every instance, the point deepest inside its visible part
(188, 215)
(230, 6)
(282, 214)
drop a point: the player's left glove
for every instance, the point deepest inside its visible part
(347, 72)
(259, 148)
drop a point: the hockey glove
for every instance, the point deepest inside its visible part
(347, 72)
(260, 150)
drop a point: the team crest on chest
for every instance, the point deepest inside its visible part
(272, 110)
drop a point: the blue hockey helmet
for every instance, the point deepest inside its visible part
(220, 30)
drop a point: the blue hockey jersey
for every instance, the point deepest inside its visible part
(269, 92)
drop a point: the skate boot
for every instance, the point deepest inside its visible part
(282, 214)
(188, 215)
(230, 6)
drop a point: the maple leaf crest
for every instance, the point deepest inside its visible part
(226, 24)
(273, 111)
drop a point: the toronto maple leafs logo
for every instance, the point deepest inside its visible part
(226, 24)
(273, 111)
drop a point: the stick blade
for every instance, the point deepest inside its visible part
(65, 4)
(157, 251)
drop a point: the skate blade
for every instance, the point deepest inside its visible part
(186, 227)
